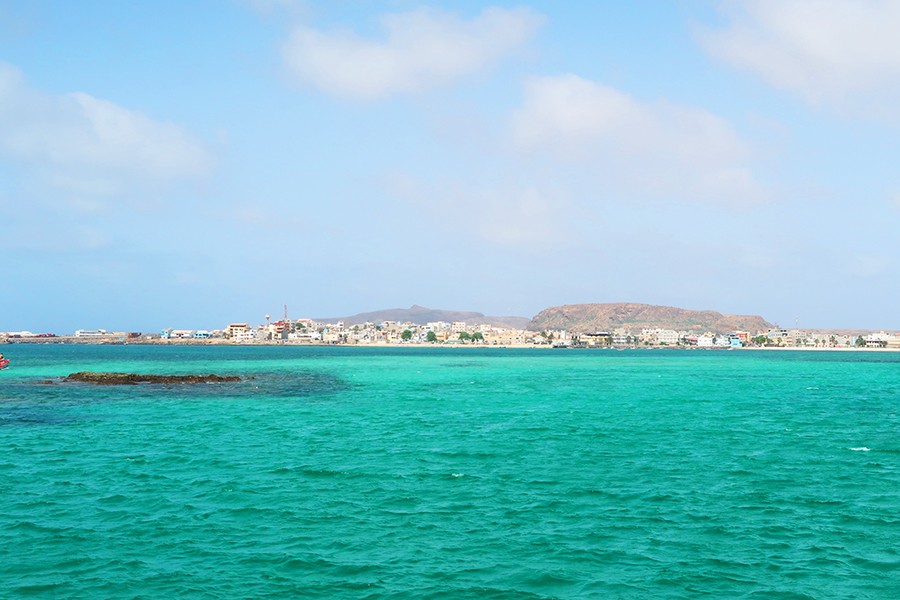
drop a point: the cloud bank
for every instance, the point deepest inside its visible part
(88, 144)
(655, 148)
(827, 51)
(421, 50)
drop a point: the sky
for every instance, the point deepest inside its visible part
(191, 164)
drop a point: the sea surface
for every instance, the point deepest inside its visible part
(451, 473)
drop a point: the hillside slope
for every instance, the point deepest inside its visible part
(586, 318)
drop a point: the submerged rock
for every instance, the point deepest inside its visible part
(135, 378)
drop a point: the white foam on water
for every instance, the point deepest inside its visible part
(860, 449)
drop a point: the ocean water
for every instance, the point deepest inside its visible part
(451, 473)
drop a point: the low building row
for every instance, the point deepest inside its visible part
(309, 331)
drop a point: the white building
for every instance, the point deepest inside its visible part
(667, 336)
(91, 333)
(878, 340)
(244, 336)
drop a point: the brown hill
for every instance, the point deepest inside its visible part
(589, 318)
(421, 315)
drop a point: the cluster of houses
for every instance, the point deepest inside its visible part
(308, 331)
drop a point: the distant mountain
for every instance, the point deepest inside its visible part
(588, 318)
(421, 315)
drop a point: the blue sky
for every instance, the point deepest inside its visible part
(190, 164)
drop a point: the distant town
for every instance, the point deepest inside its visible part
(460, 333)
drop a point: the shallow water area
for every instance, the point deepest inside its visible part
(452, 473)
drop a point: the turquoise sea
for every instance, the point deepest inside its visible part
(451, 473)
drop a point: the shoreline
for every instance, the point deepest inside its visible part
(69, 340)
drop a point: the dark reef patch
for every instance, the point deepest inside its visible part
(135, 378)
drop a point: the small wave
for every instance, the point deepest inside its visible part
(860, 449)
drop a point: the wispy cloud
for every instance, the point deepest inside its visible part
(506, 214)
(827, 51)
(89, 145)
(646, 148)
(420, 50)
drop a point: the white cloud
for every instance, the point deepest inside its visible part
(89, 145)
(421, 50)
(646, 148)
(824, 50)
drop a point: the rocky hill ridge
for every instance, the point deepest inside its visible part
(587, 318)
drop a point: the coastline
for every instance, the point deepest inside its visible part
(65, 340)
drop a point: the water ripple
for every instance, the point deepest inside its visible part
(510, 475)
